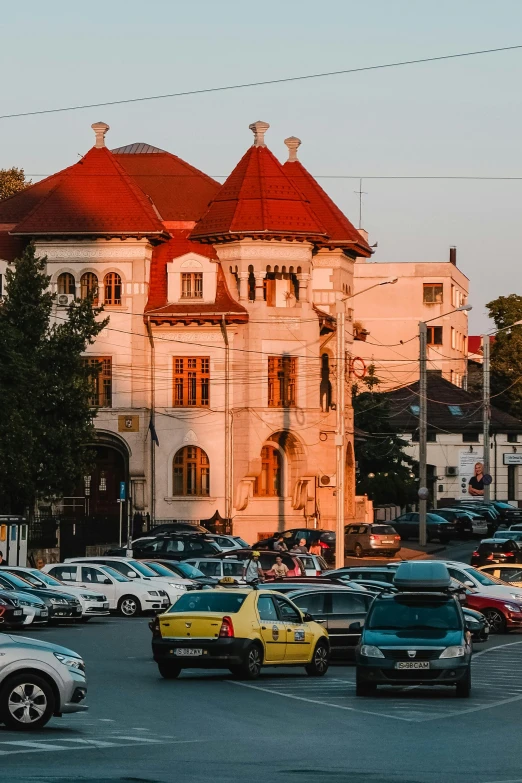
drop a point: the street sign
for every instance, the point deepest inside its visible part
(512, 459)
(123, 488)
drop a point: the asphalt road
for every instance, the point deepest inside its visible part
(283, 727)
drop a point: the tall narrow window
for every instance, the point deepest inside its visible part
(269, 482)
(112, 286)
(434, 335)
(191, 381)
(66, 283)
(101, 377)
(282, 381)
(191, 472)
(432, 293)
(192, 285)
(88, 286)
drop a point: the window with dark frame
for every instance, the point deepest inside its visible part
(101, 378)
(282, 381)
(191, 472)
(432, 293)
(470, 437)
(434, 335)
(191, 381)
(88, 285)
(269, 482)
(66, 283)
(512, 437)
(192, 285)
(112, 288)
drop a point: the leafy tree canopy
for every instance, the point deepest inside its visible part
(385, 472)
(45, 387)
(12, 181)
(506, 354)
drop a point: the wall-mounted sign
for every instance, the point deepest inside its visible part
(467, 462)
(512, 459)
(128, 423)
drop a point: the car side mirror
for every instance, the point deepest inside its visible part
(107, 581)
(469, 625)
(356, 626)
(307, 617)
(131, 574)
(467, 583)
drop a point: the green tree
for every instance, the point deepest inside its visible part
(12, 181)
(506, 354)
(384, 471)
(45, 418)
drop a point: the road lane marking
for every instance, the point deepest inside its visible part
(38, 745)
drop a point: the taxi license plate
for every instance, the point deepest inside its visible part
(412, 665)
(188, 653)
(17, 612)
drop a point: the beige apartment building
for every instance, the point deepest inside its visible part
(385, 318)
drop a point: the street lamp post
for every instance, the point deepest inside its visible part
(340, 425)
(423, 420)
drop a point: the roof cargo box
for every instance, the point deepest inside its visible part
(422, 577)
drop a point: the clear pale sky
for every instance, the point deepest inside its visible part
(458, 117)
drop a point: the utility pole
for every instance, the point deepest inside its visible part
(340, 311)
(423, 431)
(486, 398)
(360, 193)
(228, 449)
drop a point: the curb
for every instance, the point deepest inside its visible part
(433, 552)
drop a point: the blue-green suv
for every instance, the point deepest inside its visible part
(418, 636)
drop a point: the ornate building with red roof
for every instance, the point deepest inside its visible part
(215, 396)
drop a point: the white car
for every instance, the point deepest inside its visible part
(130, 597)
(478, 580)
(93, 604)
(219, 568)
(138, 571)
(228, 543)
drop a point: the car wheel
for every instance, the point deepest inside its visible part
(250, 668)
(464, 686)
(129, 606)
(496, 620)
(363, 688)
(358, 550)
(26, 702)
(169, 670)
(318, 666)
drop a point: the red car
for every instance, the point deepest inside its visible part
(501, 614)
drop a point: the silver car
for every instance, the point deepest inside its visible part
(38, 680)
(378, 537)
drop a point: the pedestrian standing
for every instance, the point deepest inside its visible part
(252, 571)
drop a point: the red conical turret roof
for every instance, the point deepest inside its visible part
(340, 231)
(258, 200)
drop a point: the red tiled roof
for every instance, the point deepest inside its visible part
(11, 247)
(178, 190)
(340, 231)
(13, 209)
(95, 196)
(258, 200)
(160, 310)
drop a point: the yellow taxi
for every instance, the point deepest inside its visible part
(240, 629)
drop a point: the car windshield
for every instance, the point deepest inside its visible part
(115, 574)
(400, 615)
(209, 601)
(160, 570)
(190, 571)
(49, 580)
(383, 530)
(241, 542)
(15, 581)
(481, 577)
(494, 546)
(143, 569)
(33, 580)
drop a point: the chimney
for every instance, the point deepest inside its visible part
(100, 129)
(259, 129)
(293, 143)
(453, 256)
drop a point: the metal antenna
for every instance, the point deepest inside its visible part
(361, 193)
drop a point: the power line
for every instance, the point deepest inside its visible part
(245, 85)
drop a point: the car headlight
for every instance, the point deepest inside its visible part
(517, 596)
(2, 602)
(457, 651)
(90, 596)
(70, 661)
(513, 607)
(22, 602)
(370, 651)
(178, 586)
(152, 592)
(57, 600)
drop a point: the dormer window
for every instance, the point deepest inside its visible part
(191, 285)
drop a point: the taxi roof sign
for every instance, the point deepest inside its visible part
(422, 577)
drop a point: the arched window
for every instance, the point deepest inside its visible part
(112, 286)
(89, 284)
(191, 472)
(269, 482)
(66, 283)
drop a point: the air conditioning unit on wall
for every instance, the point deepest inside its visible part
(64, 300)
(327, 480)
(452, 470)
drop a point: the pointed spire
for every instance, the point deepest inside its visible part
(293, 144)
(259, 129)
(100, 129)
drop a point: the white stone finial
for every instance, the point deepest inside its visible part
(293, 144)
(100, 129)
(259, 129)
